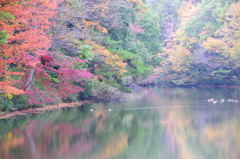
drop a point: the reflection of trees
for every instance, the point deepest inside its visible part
(142, 130)
(184, 133)
(40, 138)
(177, 131)
(207, 133)
(224, 136)
(84, 134)
(52, 135)
(10, 141)
(115, 147)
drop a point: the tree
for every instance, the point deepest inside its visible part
(178, 45)
(226, 39)
(45, 76)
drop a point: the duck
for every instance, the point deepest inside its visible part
(230, 100)
(222, 100)
(210, 100)
(215, 102)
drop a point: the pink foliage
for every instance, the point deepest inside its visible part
(61, 86)
(136, 29)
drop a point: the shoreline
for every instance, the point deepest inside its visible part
(42, 109)
(186, 86)
(81, 103)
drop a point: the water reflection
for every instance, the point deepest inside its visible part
(171, 124)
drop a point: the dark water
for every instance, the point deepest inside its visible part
(155, 123)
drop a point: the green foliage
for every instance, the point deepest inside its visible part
(206, 34)
(181, 41)
(152, 32)
(3, 37)
(4, 16)
(11, 103)
(220, 71)
(86, 53)
(6, 104)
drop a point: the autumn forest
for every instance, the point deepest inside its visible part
(119, 79)
(64, 51)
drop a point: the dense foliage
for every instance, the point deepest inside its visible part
(53, 49)
(65, 50)
(201, 42)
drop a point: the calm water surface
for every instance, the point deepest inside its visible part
(155, 123)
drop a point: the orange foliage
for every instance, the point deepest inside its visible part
(116, 147)
(27, 39)
(10, 141)
(140, 4)
(213, 44)
(96, 25)
(109, 58)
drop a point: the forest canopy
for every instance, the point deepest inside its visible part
(54, 51)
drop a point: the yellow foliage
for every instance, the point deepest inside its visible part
(9, 91)
(216, 45)
(9, 136)
(178, 46)
(228, 39)
(100, 28)
(9, 95)
(179, 57)
(11, 141)
(212, 134)
(109, 58)
(177, 49)
(12, 90)
(187, 11)
(116, 147)
(235, 50)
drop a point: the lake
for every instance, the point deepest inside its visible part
(154, 123)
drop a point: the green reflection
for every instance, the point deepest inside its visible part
(197, 130)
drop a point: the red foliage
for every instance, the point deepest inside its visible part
(44, 74)
(45, 59)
